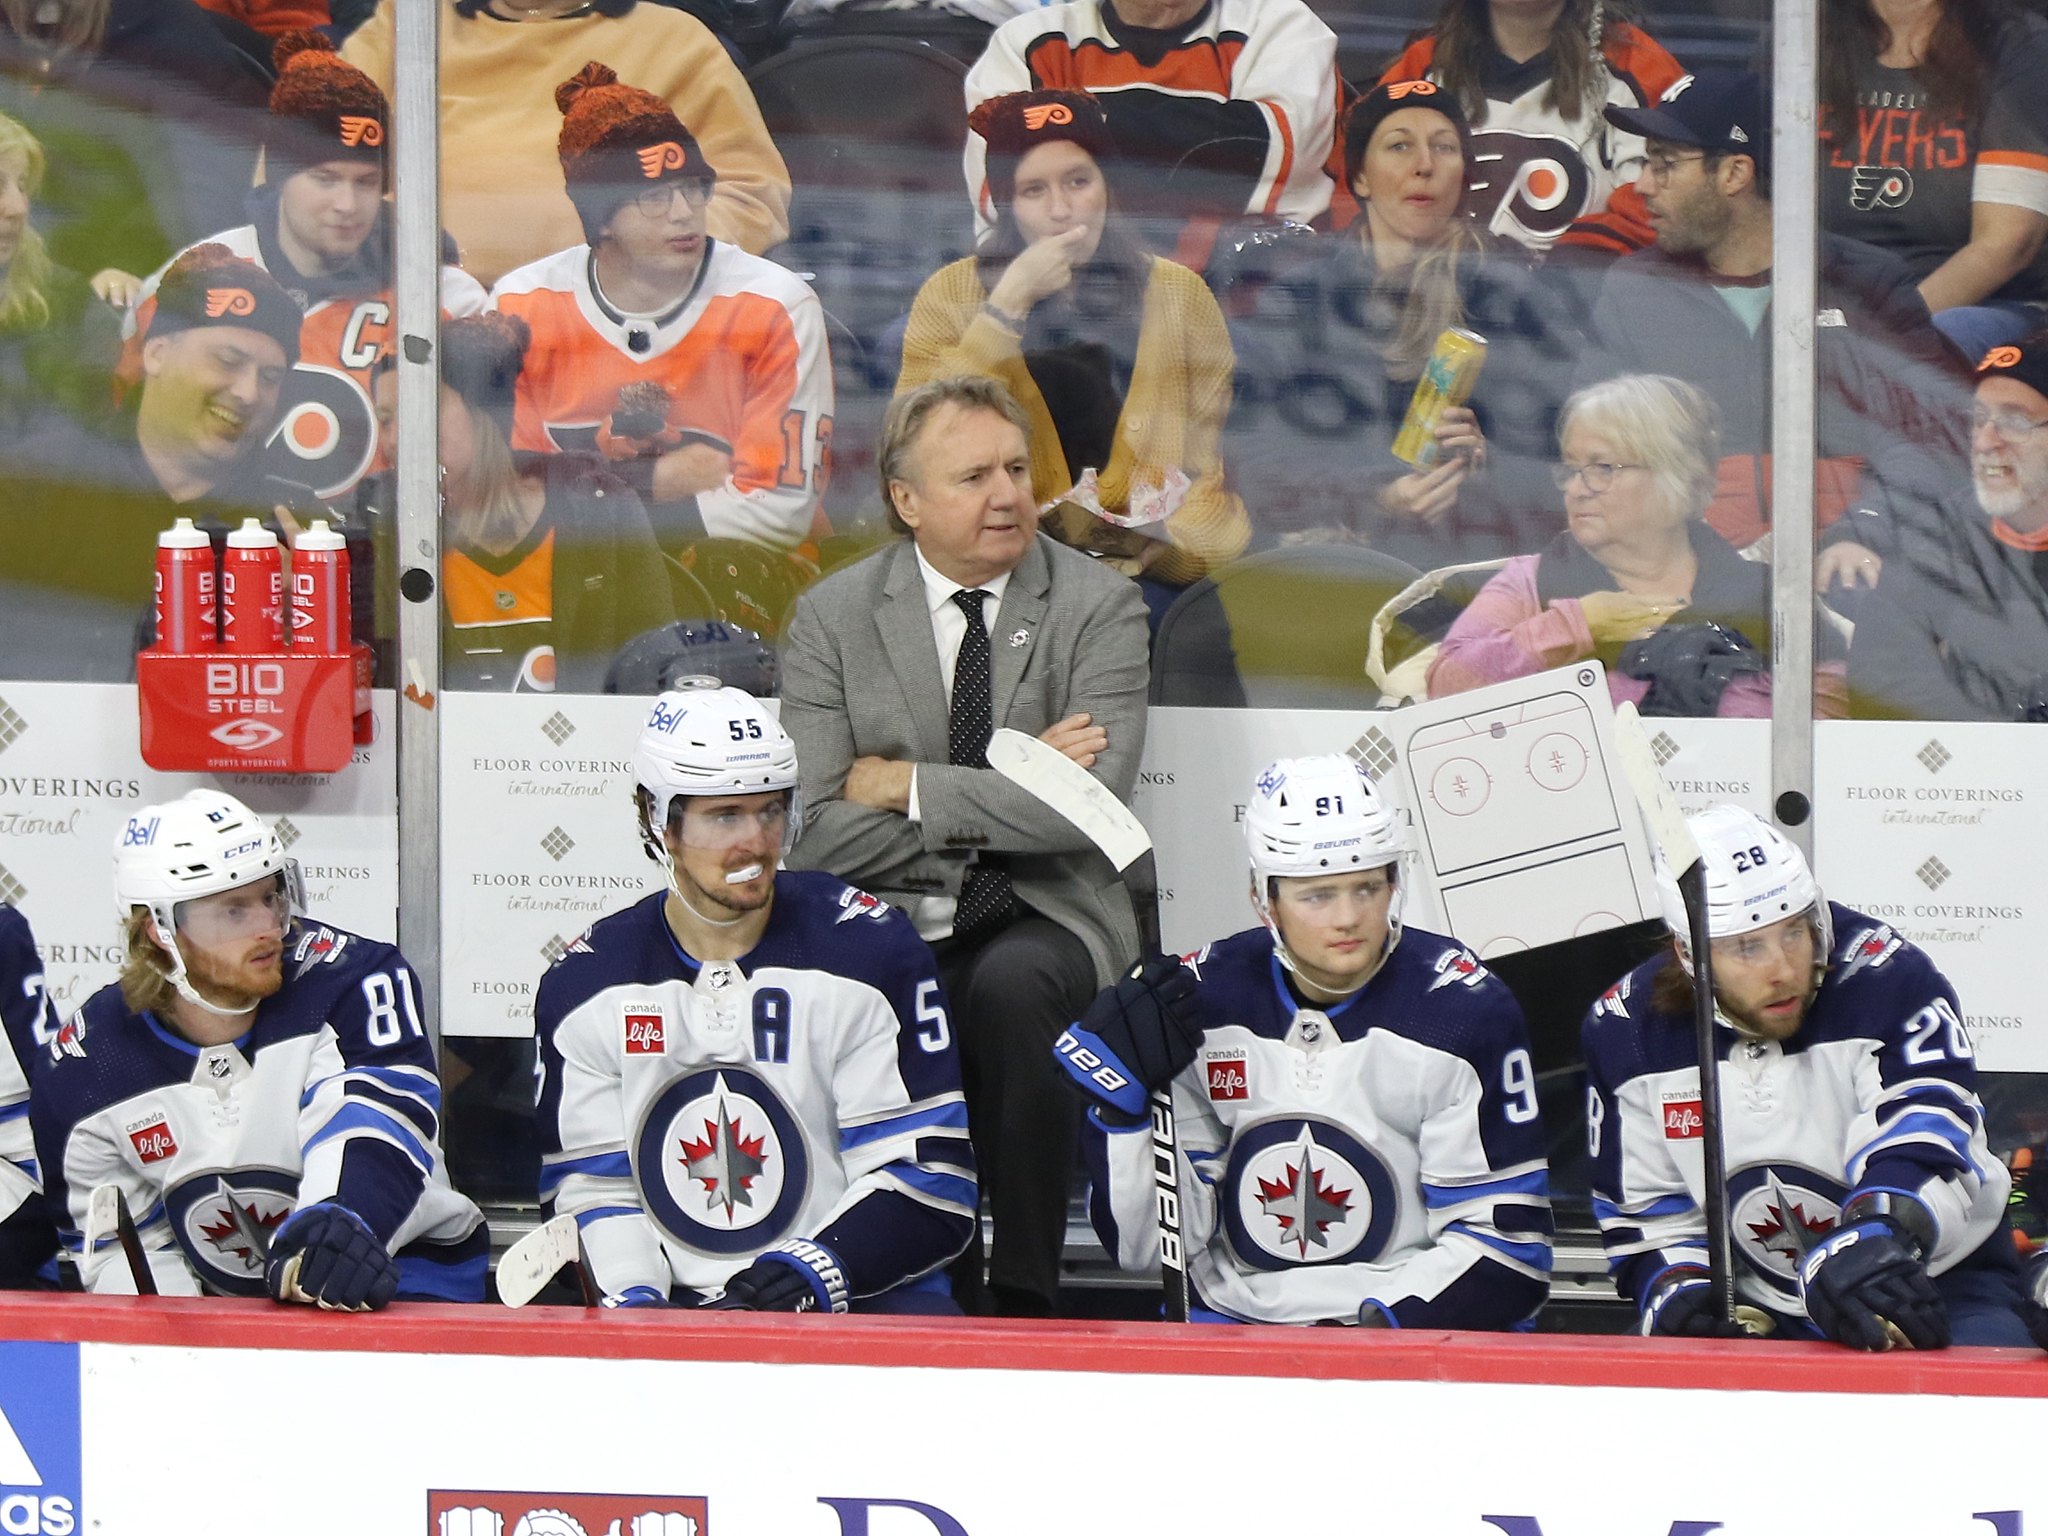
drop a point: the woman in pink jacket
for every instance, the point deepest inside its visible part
(1636, 580)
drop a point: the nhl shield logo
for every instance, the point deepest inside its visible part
(721, 1162)
(222, 1223)
(1301, 1192)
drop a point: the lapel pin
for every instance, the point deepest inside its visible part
(1020, 638)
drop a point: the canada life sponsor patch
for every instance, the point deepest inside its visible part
(469, 1513)
(646, 1031)
(1684, 1120)
(1228, 1074)
(152, 1139)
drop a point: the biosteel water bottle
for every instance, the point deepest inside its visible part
(252, 591)
(187, 617)
(320, 611)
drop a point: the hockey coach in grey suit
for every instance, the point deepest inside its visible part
(894, 674)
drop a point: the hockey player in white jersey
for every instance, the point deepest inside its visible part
(749, 1090)
(258, 1085)
(1355, 1101)
(28, 1022)
(1863, 1203)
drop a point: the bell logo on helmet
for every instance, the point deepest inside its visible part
(656, 158)
(140, 831)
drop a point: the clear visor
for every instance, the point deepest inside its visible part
(1793, 938)
(248, 911)
(755, 822)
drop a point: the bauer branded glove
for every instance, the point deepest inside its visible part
(1680, 1305)
(1864, 1285)
(636, 1296)
(326, 1256)
(796, 1276)
(1136, 1036)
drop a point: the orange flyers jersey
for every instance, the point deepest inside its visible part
(326, 434)
(1276, 55)
(1534, 171)
(739, 363)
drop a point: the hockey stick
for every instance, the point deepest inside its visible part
(1681, 853)
(107, 1211)
(1055, 780)
(532, 1262)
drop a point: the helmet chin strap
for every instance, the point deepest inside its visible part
(658, 845)
(1286, 959)
(181, 980)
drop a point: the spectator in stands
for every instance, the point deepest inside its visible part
(1959, 628)
(1027, 919)
(501, 187)
(1532, 80)
(320, 226)
(1934, 145)
(58, 342)
(701, 370)
(149, 118)
(1331, 355)
(548, 565)
(1120, 360)
(239, 19)
(1681, 622)
(1697, 306)
(1221, 108)
(84, 509)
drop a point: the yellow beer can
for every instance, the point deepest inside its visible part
(1447, 380)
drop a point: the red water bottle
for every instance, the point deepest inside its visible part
(252, 591)
(186, 614)
(320, 611)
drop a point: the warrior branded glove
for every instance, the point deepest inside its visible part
(636, 1296)
(1680, 1305)
(1865, 1286)
(326, 1256)
(1136, 1036)
(797, 1276)
(2034, 1299)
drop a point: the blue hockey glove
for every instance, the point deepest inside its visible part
(636, 1296)
(1136, 1036)
(325, 1255)
(2034, 1298)
(797, 1276)
(1865, 1286)
(1681, 1306)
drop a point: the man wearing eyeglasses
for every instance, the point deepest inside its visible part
(1698, 306)
(1959, 629)
(700, 370)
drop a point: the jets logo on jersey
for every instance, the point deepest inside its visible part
(222, 1223)
(856, 903)
(646, 1031)
(1459, 966)
(1305, 1192)
(152, 1139)
(1869, 950)
(326, 433)
(1527, 186)
(1879, 186)
(1776, 1212)
(721, 1162)
(1229, 1076)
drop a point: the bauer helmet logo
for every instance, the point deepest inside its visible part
(656, 158)
(229, 301)
(1056, 114)
(1405, 88)
(366, 131)
(2000, 357)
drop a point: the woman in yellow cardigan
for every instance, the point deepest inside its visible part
(1121, 359)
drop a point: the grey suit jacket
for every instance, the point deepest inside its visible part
(860, 678)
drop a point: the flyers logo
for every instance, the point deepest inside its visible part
(1999, 357)
(656, 158)
(1057, 113)
(1403, 88)
(361, 130)
(229, 301)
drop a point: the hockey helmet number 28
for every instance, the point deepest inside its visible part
(702, 739)
(1754, 878)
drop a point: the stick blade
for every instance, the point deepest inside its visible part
(1668, 829)
(1051, 776)
(102, 1218)
(533, 1261)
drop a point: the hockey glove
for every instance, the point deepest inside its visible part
(2034, 1299)
(1865, 1286)
(326, 1256)
(1681, 1306)
(636, 1296)
(1136, 1036)
(798, 1276)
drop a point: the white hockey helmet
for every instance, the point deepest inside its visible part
(200, 844)
(1311, 816)
(703, 739)
(1754, 877)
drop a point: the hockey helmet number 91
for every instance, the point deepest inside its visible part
(1754, 877)
(1311, 816)
(701, 739)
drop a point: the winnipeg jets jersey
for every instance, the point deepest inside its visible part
(739, 363)
(1533, 169)
(1386, 1149)
(28, 1022)
(693, 1115)
(1877, 1091)
(331, 1095)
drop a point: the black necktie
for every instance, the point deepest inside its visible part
(985, 892)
